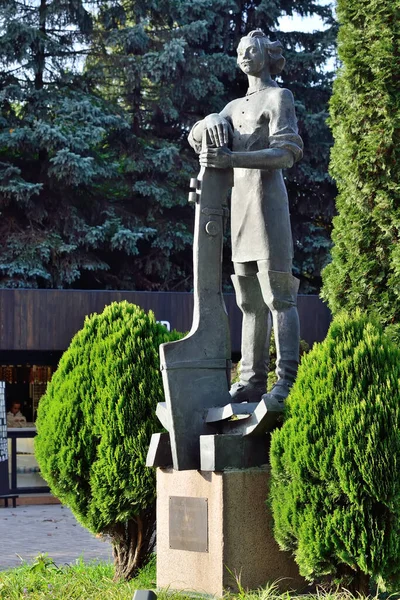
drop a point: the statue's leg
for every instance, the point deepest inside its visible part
(279, 290)
(256, 331)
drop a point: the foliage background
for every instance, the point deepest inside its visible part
(365, 119)
(335, 489)
(96, 100)
(94, 427)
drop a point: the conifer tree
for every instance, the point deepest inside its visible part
(175, 62)
(335, 488)
(96, 165)
(55, 132)
(365, 111)
(310, 188)
(94, 427)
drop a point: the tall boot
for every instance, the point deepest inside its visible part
(256, 332)
(279, 291)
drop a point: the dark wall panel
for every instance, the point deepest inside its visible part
(46, 320)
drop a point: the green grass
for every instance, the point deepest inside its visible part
(43, 579)
(81, 581)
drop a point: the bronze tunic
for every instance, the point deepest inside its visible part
(260, 221)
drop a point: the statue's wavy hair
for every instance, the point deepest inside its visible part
(273, 50)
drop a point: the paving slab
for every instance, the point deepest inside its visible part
(26, 531)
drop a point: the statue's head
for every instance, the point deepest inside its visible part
(255, 50)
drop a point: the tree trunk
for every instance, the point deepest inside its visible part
(39, 47)
(133, 543)
(355, 581)
(360, 584)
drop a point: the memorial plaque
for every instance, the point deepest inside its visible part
(188, 523)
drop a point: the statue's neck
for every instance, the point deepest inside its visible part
(259, 82)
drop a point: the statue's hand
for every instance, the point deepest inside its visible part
(218, 158)
(218, 129)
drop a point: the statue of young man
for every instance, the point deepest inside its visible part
(262, 127)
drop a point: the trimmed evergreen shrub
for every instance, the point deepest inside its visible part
(335, 489)
(94, 426)
(365, 162)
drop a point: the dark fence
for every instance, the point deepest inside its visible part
(46, 320)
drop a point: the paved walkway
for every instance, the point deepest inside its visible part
(27, 531)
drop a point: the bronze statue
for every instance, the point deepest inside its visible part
(264, 140)
(261, 130)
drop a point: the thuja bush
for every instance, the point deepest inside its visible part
(335, 489)
(94, 426)
(365, 162)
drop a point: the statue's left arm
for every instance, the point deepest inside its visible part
(285, 144)
(219, 130)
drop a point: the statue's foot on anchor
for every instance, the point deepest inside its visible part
(251, 418)
(266, 415)
(246, 392)
(280, 391)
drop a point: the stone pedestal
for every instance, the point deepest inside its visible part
(213, 527)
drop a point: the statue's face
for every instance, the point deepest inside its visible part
(251, 57)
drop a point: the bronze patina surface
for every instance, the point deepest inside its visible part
(246, 146)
